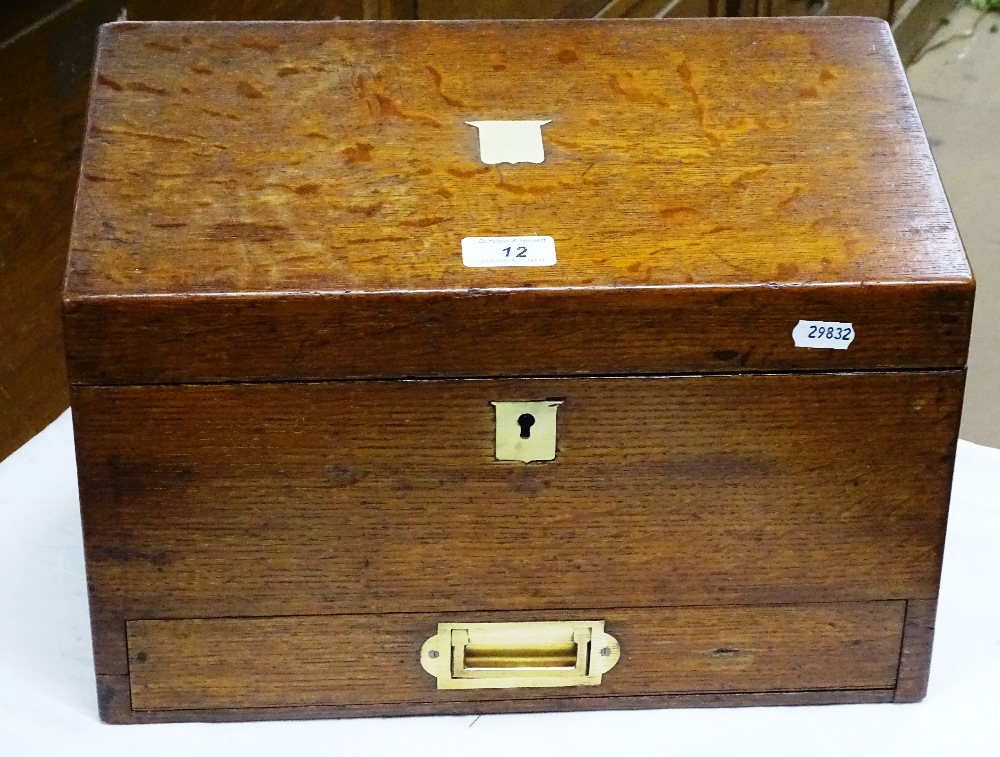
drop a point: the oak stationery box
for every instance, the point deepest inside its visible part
(515, 366)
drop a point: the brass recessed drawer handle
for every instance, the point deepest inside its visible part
(519, 655)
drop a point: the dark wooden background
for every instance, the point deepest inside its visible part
(46, 49)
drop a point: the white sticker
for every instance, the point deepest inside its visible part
(823, 335)
(497, 252)
(510, 141)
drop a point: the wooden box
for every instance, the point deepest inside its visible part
(297, 302)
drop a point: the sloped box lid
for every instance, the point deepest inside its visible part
(288, 201)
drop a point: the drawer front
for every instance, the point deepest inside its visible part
(227, 663)
(369, 497)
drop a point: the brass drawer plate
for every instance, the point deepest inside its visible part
(519, 655)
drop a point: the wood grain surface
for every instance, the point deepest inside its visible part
(139, 340)
(708, 183)
(374, 659)
(369, 497)
(114, 701)
(915, 655)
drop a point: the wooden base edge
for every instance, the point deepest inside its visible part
(114, 699)
(115, 705)
(915, 652)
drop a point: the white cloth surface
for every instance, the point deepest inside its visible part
(48, 704)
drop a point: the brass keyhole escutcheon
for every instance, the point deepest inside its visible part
(526, 421)
(526, 431)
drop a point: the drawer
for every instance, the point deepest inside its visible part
(348, 660)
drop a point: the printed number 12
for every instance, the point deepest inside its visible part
(522, 252)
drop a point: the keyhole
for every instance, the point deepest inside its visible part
(526, 421)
